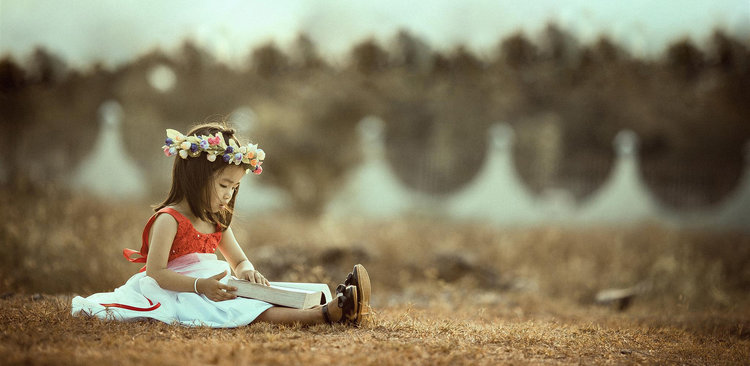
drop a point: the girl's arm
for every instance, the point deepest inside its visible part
(237, 259)
(162, 235)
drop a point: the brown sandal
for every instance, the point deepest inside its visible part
(347, 301)
(358, 277)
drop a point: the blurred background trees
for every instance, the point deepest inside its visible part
(565, 100)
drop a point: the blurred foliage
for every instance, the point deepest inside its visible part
(565, 100)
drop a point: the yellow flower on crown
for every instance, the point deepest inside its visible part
(214, 147)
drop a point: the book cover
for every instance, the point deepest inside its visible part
(290, 294)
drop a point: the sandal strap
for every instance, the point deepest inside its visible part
(340, 289)
(347, 301)
(341, 298)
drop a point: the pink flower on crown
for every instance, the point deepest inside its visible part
(214, 140)
(166, 151)
(258, 170)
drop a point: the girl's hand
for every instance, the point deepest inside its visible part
(253, 276)
(215, 290)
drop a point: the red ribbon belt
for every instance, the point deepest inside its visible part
(128, 253)
(128, 307)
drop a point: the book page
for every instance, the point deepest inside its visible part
(306, 286)
(292, 289)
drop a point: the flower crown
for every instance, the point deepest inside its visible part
(214, 146)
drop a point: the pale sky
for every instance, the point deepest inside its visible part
(117, 31)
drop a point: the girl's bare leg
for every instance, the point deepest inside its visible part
(282, 315)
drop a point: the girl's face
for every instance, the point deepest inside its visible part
(225, 184)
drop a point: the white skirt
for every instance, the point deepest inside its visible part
(142, 298)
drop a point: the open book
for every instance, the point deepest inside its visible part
(290, 294)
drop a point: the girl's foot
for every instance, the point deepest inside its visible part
(331, 312)
(361, 280)
(346, 310)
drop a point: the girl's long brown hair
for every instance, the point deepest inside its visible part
(192, 178)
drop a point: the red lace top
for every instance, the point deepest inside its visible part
(187, 240)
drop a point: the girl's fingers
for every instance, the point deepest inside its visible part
(260, 279)
(219, 292)
(222, 291)
(221, 296)
(264, 281)
(250, 276)
(219, 276)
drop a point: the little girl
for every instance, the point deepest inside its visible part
(183, 281)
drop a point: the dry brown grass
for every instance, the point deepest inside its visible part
(444, 293)
(43, 332)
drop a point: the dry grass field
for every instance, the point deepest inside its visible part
(443, 292)
(43, 332)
